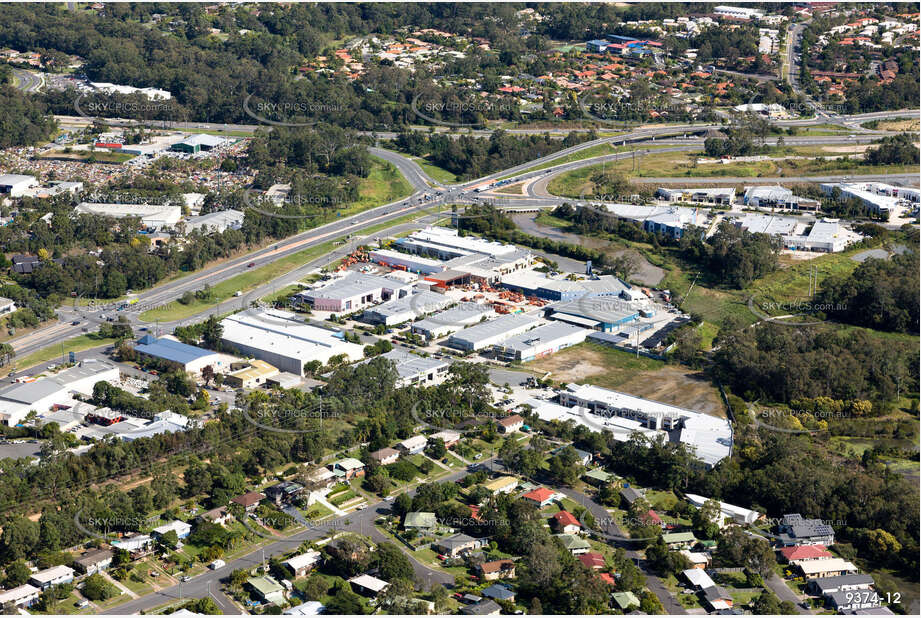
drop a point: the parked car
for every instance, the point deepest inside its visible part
(251, 264)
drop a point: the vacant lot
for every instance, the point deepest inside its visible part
(644, 377)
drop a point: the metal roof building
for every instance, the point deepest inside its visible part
(281, 339)
(604, 313)
(355, 291)
(413, 369)
(407, 308)
(453, 319)
(188, 357)
(541, 341)
(492, 332)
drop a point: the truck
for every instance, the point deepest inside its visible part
(214, 566)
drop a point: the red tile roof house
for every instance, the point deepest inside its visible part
(541, 496)
(592, 560)
(497, 569)
(566, 523)
(510, 424)
(652, 518)
(802, 553)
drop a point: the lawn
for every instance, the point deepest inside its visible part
(598, 150)
(383, 185)
(75, 344)
(438, 174)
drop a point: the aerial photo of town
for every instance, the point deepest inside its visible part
(506, 308)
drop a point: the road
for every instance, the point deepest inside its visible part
(361, 522)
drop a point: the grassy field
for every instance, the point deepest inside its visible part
(383, 185)
(438, 174)
(76, 344)
(587, 153)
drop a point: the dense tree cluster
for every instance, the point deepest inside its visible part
(733, 256)
(25, 120)
(894, 150)
(473, 157)
(880, 294)
(780, 363)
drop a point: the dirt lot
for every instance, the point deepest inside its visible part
(643, 377)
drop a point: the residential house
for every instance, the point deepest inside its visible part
(284, 492)
(576, 545)
(249, 501)
(348, 468)
(795, 554)
(457, 544)
(420, 521)
(267, 589)
(385, 456)
(541, 497)
(94, 561)
(796, 530)
(593, 560)
(20, 596)
(849, 602)
(698, 560)
(826, 567)
(598, 477)
(302, 564)
(510, 424)
(698, 578)
(822, 586)
(679, 540)
(502, 485)
(448, 436)
(220, 516)
(499, 592)
(137, 544)
(583, 457)
(367, 585)
(182, 529)
(413, 445)
(625, 600)
(487, 607)
(630, 495)
(566, 523)
(55, 576)
(496, 569)
(310, 608)
(717, 597)
(321, 478)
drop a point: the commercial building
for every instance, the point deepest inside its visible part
(721, 196)
(487, 334)
(445, 244)
(281, 339)
(415, 370)
(602, 313)
(217, 221)
(150, 93)
(541, 341)
(708, 437)
(405, 261)
(17, 400)
(198, 143)
(152, 216)
(668, 220)
(353, 292)
(877, 197)
(183, 356)
(250, 375)
(533, 283)
(407, 308)
(16, 185)
(451, 320)
(761, 196)
(825, 235)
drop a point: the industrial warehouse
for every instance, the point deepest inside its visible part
(284, 341)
